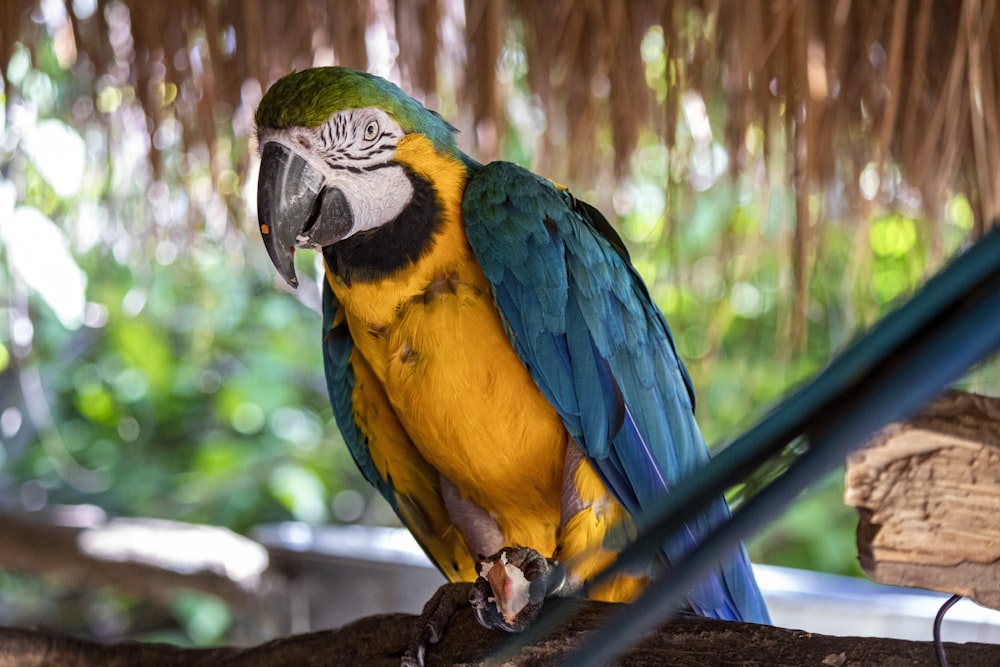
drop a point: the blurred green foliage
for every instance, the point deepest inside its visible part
(185, 385)
(179, 379)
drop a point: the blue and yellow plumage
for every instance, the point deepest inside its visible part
(495, 364)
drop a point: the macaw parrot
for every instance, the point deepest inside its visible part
(496, 365)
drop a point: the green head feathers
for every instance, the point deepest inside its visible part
(310, 97)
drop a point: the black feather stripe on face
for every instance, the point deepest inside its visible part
(372, 255)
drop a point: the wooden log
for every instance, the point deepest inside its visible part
(381, 640)
(928, 495)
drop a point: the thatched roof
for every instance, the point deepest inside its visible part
(839, 84)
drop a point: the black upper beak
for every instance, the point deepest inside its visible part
(294, 208)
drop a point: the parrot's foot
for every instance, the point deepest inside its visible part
(513, 583)
(434, 618)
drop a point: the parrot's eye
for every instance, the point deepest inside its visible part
(371, 130)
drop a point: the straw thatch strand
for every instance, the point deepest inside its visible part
(842, 84)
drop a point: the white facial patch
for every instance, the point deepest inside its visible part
(376, 197)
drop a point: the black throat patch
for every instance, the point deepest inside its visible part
(373, 255)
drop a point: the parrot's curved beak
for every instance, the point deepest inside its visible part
(295, 209)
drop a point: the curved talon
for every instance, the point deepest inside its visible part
(409, 660)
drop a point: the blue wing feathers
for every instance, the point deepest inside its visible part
(600, 351)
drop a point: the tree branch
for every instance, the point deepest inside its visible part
(381, 640)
